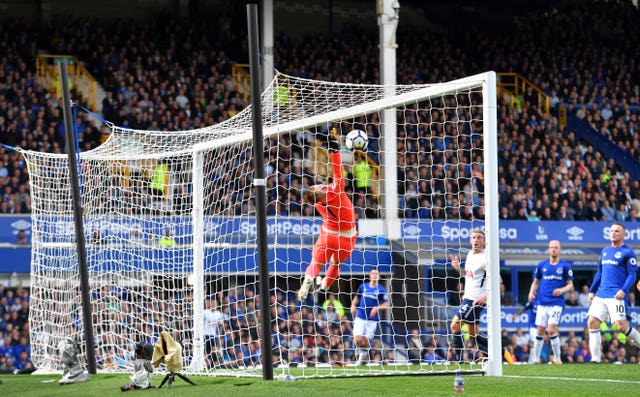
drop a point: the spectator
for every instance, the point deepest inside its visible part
(583, 296)
(335, 302)
(415, 348)
(21, 238)
(431, 356)
(581, 213)
(593, 212)
(506, 299)
(167, 241)
(563, 214)
(362, 174)
(621, 213)
(521, 337)
(159, 179)
(572, 299)
(533, 216)
(608, 212)
(23, 363)
(96, 237)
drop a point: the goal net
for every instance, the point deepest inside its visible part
(170, 231)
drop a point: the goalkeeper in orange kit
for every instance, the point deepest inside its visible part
(338, 232)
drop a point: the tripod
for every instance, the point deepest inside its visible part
(168, 351)
(168, 379)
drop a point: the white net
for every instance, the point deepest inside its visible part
(171, 235)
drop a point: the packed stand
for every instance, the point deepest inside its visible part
(15, 351)
(175, 85)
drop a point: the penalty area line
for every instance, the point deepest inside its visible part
(635, 382)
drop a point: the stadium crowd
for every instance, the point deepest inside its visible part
(182, 80)
(15, 351)
(544, 172)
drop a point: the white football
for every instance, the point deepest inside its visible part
(356, 140)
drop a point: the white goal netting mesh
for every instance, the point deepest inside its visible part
(169, 221)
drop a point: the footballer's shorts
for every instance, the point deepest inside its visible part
(364, 327)
(338, 246)
(547, 315)
(468, 312)
(608, 309)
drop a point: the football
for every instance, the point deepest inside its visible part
(356, 140)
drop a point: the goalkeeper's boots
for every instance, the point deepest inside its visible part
(304, 289)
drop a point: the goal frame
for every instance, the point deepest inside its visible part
(392, 224)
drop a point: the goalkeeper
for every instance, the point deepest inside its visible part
(338, 232)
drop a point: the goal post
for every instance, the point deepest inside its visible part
(169, 218)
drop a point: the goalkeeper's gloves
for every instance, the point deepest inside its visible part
(334, 141)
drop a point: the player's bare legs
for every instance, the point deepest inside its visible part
(456, 339)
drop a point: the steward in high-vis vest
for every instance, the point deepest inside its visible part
(362, 175)
(158, 180)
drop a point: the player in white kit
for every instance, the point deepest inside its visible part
(474, 299)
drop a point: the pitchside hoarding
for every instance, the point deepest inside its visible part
(288, 237)
(519, 232)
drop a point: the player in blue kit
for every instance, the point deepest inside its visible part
(370, 298)
(552, 278)
(616, 274)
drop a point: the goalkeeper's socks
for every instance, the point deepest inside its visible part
(313, 270)
(332, 275)
(595, 343)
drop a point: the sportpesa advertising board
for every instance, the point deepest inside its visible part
(61, 229)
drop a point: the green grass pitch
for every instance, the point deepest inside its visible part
(522, 381)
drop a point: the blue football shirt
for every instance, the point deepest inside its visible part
(552, 277)
(617, 270)
(370, 297)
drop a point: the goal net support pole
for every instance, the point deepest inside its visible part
(260, 185)
(77, 212)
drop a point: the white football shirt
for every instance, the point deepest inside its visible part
(475, 278)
